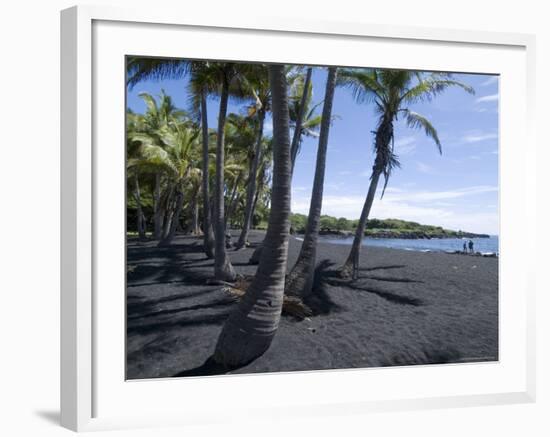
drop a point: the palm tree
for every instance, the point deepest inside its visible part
(303, 119)
(139, 69)
(300, 101)
(249, 330)
(300, 280)
(202, 83)
(392, 91)
(223, 270)
(170, 150)
(258, 85)
(241, 132)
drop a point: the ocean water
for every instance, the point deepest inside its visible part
(483, 245)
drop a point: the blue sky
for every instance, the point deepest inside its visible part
(456, 190)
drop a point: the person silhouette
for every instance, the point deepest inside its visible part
(464, 248)
(471, 246)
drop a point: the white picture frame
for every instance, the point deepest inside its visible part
(86, 376)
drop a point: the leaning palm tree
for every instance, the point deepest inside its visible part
(300, 280)
(249, 330)
(392, 91)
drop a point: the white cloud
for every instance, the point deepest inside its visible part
(489, 98)
(428, 207)
(490, 81)
(344, 172)
(424, 168)
(479, 137)
(405, 145)
(429, 196)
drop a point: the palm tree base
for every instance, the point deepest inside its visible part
(255, 257)
(238, 347)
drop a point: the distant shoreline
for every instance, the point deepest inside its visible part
(413, 235)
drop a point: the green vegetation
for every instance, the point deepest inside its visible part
(378, 228)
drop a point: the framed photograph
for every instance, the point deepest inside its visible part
(336, 210)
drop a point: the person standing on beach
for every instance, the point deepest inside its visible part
(471, 246)
(464, 248)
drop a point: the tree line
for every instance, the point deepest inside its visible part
(210, 178)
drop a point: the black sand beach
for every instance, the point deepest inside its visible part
(406, 308)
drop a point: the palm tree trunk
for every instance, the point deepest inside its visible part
(251, 189)
(168, 212)
(255, 258)
(157, 214)
(256, 196)
(350, 267)
(207, 223)
(300, 279)
(195, 230)
(139, 211)
(232, 199)
(174, 221)
(249, 330)
(223, 270)
(383, 138)
(298, 127)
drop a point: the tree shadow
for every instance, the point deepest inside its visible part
(387, 295)
(426, 355)
(210, 368)
(180, 310)
(144, 303)
(390, 279)
(168, 273)
(319, 301)
(370, 269)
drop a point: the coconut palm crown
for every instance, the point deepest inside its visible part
(392, 92)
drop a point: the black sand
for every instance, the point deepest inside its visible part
(406, 308)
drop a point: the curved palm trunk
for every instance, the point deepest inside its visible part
(140, 222)
(157, 233)
(300, 279)
(249, 330)
(251, 189)
(384, 135)
(349, 269)
(223, 270)
(208, 232)
(298, 128)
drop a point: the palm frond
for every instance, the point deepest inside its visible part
(139, 69)
(417, 121)
(363, 84)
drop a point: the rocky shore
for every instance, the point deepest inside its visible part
(405, 234)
